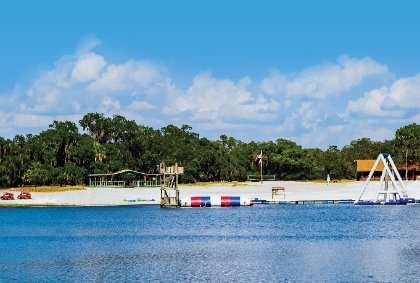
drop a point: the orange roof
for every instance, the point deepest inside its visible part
(366, 165)
(411, 167)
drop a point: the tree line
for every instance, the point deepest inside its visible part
(63, 155)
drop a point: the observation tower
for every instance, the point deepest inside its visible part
(169, 193)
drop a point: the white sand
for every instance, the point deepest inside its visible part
(294, 191)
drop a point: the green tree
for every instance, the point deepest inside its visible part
(98, 126)
(36, 174)
(317, 171)
(407, 145)
(334, 163)
(74, 174)
(3, 176)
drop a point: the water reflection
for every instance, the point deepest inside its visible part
(244, 244)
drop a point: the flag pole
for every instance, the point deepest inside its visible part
(261, 167)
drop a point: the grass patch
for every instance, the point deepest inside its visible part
(48, 189)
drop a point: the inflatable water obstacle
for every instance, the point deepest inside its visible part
(207, 201)
(390, 188)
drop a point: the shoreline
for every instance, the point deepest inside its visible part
(294, 191)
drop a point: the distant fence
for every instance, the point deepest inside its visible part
(264, 177)
(123, 184)
(153, 183)
(107, 184)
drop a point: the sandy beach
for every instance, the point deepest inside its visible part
(294, 191)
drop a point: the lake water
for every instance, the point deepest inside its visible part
(264, 243)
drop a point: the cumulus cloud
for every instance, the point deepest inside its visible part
(307, 107)
(88, 67)
(87, 44)
(110, 106)
(128, 76)
(379, 133)
(394, 101)
(81, 83)
(324, 80)
(84, 82)
(141, 105)
(212, 99)
(308, 115)
(30, 120)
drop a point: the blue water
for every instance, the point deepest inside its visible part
(264, 243)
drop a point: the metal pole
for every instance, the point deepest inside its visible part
(261, 164)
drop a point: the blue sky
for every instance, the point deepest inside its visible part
(319, 73)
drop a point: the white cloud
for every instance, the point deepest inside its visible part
(87, 44)
(141, 105)
(126, 77)
(388, 102)
(30, 120)
(415, 119)
(306, 107)
(324, 80)
(316, 136)
(211, 99)
(370, 105)
(308, 115)
(110, 106)
(88, 67)
(5, 121)
(68, 87)
(380, 133)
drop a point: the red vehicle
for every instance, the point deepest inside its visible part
(8, 196)
(24, 195)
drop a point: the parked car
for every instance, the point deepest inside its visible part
(24, 195)
(8, 196)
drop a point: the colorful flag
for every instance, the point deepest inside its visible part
(258, 157)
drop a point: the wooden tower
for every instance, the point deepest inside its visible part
(169, 193)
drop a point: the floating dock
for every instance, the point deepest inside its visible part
(302, 202)
(403, 201)
(334, 202)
